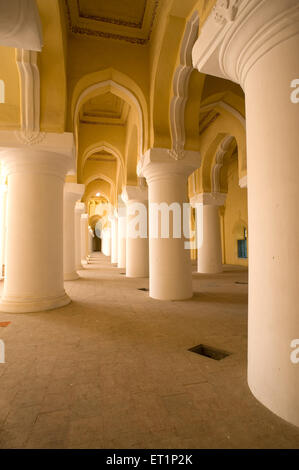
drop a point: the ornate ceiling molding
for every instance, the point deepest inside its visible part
(117, 21)
(97, 26)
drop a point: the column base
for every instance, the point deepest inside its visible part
(210, 271)
(39, 305)
(137, 276)
(84, 262)
(168, 296)
(71, 276)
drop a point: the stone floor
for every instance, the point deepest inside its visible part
(113, 370)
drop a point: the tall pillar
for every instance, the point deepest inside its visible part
(137, 257)
(121, 236)
(106, 241)
(34, 258)
(79, 210)
(90, 241)
(114, 239)
(3, 227)
(72, 192)
(166, 174)
(209, 258)
(256, 44)
(84, 239)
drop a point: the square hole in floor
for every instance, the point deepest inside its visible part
(210, 352)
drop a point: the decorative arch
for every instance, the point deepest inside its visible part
(99, 147)
(132, 157)
(99, 176)
(97, 184)
(181, 82)
(165, 60)
(93, 220)
(218, 162)
(234, 120)
(118, 84)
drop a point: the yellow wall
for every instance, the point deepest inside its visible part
(10, 110)
(235, 217)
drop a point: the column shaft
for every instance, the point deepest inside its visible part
(84, 239)
(256, 44)
(209, 259)
(72, 192)
(169, 260)
(273, 195)
(121, 246)
(114, 240)
(137, 247)
(79, 210)
(34, 259)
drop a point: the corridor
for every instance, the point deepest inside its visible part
(112, 369)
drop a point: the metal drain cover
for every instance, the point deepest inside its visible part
(210, 352)
(144, 289)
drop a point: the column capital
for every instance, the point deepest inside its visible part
(55, 155)
(243, 182)
(80, 207)
(20, 25)
(238, 33)
(208, 199)
(134, 194)
(73, 191)
(161, 163)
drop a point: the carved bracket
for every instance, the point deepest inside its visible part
(226, 10)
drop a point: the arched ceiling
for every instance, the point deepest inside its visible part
(104, 109)
(109, 74)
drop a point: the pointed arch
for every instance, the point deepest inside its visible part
(180, 83)
(118, 84)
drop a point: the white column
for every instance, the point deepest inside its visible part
(106, 241)
(72, 192)
(90, 241)
(122, 235)
(114, 239)
(3, 224)
(209, 252)
(84, 239)
(79, 210)
(137, 248)
(259, 50)
(169, 260)
(34, 258)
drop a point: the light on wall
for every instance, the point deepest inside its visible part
(98, 194)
